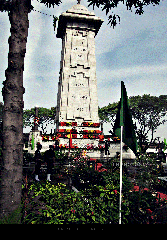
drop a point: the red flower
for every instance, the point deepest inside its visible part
(115, 191)
(62, 124)
(101, 137)
(92, 213)
(149, 211)
(73, 210)
(96, 124)
(61, 130)
(98, 131)
(85, 124)
(74, 135)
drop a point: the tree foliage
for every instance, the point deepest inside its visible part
(109, 5)
(50, 3)
(108, 113)
(148, 112)
(6, 5)
(45, 116)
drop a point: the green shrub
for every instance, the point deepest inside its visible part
(59, 205)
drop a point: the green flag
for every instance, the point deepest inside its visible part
(124, 118)
(165, 144)
(32, 142)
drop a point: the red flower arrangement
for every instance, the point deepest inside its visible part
(36, 120)
(85, 124)
(61, 130)
(101, 146)
(45, 138)
(90, 146)
(53, 138)
(98, 131)
(96, 125)
(74, 130)
(90, 124)
(61, 146)
(92, 131)
(101, 137)
(74, 135)
(116, 139)
(65, 133)
(62, 124)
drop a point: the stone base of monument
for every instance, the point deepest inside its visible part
(91, 146)
(80, 142)
(93, 153)
(114, 149)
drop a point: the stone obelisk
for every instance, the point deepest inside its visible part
(77, 102)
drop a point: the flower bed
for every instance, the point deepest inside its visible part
(56, 204)
(87, 147)
(66, 146)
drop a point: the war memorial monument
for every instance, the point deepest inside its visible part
(77, 121)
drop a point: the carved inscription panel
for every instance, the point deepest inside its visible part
(78, 96)
(79, 50)
(78, 78)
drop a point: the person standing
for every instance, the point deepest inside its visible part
(38, 159)
(57, 144)
(107, 144)
(49, 159)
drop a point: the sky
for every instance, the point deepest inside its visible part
(134, 52)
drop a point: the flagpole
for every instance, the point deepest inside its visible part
(70, 142)
(120, 194)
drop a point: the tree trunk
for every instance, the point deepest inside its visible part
(13, 90)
